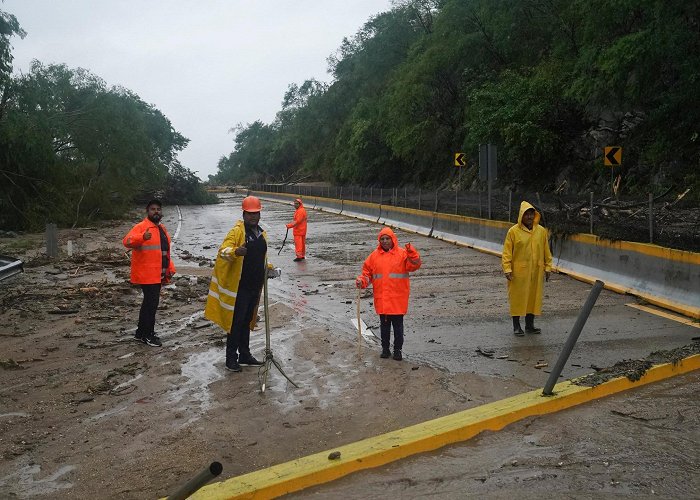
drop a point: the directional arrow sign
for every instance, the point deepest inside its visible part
(460, 160)
(612, 156)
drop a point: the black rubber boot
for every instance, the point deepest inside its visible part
(385, 353)
(517, 330)
(530, 324)
(397, 355)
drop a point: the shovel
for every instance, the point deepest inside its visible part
(283, 241)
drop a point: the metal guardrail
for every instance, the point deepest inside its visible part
(9, 266)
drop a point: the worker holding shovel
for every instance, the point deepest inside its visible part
(387, 270)
(298, 227)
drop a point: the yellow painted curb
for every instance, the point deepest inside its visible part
(372, 452)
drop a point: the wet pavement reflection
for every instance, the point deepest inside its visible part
(458, 307)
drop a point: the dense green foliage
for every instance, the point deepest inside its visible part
(73, 150)
(550, 82)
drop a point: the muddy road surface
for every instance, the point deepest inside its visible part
(87, 412)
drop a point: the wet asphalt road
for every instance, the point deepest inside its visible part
(458, 298)
(642, 443)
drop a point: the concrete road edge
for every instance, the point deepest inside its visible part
(317, 469)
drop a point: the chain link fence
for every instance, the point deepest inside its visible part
(668, 220)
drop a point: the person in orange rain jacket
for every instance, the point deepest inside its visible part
(299, 232)
(387, 269)
(150, 267)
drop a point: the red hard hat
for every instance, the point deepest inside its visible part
(251, 204)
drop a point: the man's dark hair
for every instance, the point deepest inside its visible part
(154, 201)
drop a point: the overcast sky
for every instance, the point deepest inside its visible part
(207, 65)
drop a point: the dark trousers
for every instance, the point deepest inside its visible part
(147, 315)
(386, 321)
(237, 342)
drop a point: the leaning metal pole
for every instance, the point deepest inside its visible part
(269, 358)
(573, 337)
(197, 482)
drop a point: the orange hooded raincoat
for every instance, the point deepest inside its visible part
(299, 231)
(388, 274)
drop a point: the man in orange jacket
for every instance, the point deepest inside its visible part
(299, 226)
(387, 269)
(150, 267)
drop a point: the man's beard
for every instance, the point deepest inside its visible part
(155, 218)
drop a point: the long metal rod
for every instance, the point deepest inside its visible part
(651, 218)
(269, 358)
(359, 324)
(197, 482)
(268, 350)
(573, 337)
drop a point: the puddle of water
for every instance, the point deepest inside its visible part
(25, 482)
(200, 370)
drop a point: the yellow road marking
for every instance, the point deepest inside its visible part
(663, 314)
(317, 469)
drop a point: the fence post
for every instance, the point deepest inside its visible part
(51, 240)
(510, 202)
(651, 218)
(197, 482)
(573, 337)
(419, 193)
(539, 206)
(456, 198)
(591, 212)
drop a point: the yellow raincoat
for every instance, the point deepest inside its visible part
(225, 278)
(527, 256)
